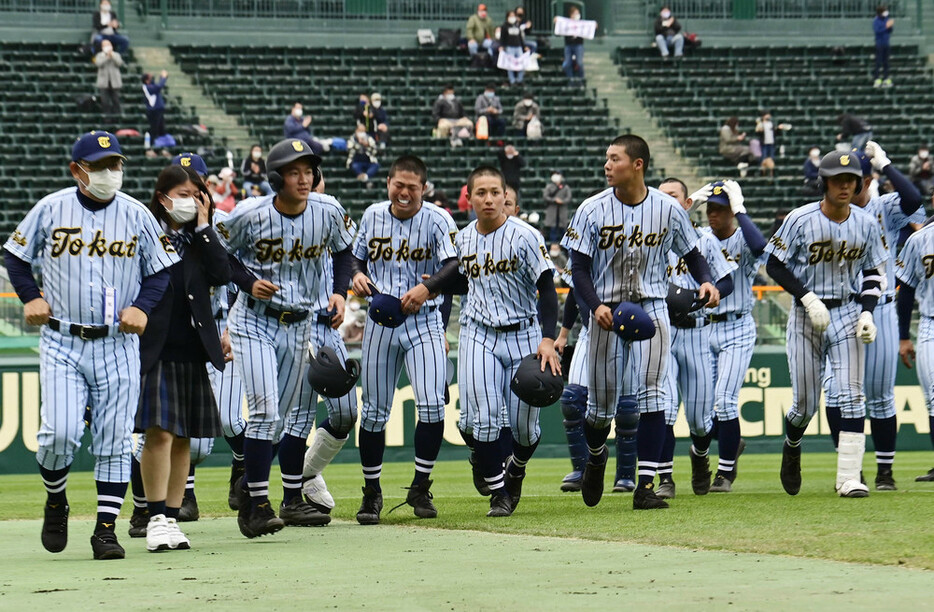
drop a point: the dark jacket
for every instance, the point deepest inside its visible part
(442, 109)
(671, 30)
(100, 27)
(246, 170)
(152, 93)
(204, 265)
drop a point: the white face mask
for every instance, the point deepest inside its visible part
(666, 14)
(377, 103)
(923, 154)
(104, 184)
(511, 20)
(815, 154)
(297, 112)
(556, 178)
(554, 252)
(449, 97)
(527, 102)
(256, 154)
(885, 14)
(183, 210)
(105, 8)
(576, 16)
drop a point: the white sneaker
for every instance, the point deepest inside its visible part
(317, 494)
(853, 488)
(157, 534)
(177, 539)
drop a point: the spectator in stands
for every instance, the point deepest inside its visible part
(511, 164)
(372, 115)
(920, 170)
(223, 189)
(856, 128)
(811, 168)
(556, 195)
(525, 110)
(362, 154)
(105, 26)
(448, 114)
(253, 171)
(511, 202)
(297, 126)
(668, 32)
(488, 105)
(436, 196)
(767, 129)
(573, 65)
(732, 147)
(512, 42)
(526, 26)
(155, 103)
(109, 80)
(882, 27)
(480, 32)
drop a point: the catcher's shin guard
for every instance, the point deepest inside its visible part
(627, 423)
(574, 409)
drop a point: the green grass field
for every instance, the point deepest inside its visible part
(755, 548)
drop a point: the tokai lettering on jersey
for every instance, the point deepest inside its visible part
(824, 251)
(272, 249)
(614, 236)
(67, 240)
(776, 241)
(473, 269)
(380, 248)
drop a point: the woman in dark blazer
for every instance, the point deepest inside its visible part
(176, 401)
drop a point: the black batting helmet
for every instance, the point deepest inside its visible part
(284, 153)
(680, 301)
(328, 377)
(533, 386)
(836, 163)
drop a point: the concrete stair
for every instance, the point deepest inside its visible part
(154, 59)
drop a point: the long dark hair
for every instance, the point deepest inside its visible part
(170, 178)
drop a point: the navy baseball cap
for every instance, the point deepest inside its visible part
(386, 310)
(719, 195)
(96, 145)
(630, 322)
(864, 162)
(193, 161)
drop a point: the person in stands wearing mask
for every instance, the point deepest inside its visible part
(526, 26)
(557, 195)
(489, 105)
(176, 401)
(372, 115)
(668, 33)
(105, 25)
(811, 168)
(253, 171)
(480, 32)
(449, 117)
(297, 126)
(921, 171)
(573, 65)
(882, 28)
(524, 111)
(512, 42)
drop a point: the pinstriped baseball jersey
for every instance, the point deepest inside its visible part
(736, 251)
(502, 267)
(710, 249)
(915, 267)
(219, 299)
(288, 251)
(887, 209)
(629, 244)
(828, 256)
(399, 251)
(86, 253)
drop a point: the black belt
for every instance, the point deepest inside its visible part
(515, 326)
(283, 316)
(832, 303)
(727, 316)
(886, 299)
(85, 332)
(690, 323)
(220, 314)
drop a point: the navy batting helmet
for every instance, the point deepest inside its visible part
(719, 195)
(328, 377)
(680, 301)
(284, 153)
(836, 163)
(386, 310)
(533, 386)
(632, 323)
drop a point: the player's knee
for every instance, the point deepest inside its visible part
(486, 432)
(881, 408)
(431, 414)
(112, 468)
(200, 449)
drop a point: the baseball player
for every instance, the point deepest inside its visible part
(619, 242)
(817, 255)
(690, 370)
(732, 328)
(400, 240)
(104, 260)
(914, 269)
(283, 242)
(893, 211)
(503, 262)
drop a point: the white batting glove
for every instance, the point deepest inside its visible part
(735, 193)
(865, 328)
(877, 154)
(699, 197)
(817, 312)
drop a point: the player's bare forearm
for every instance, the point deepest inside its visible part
(37, 311)
(906, 350)
(133, 320)
(336, 305)
(561, 342)
(548, 355)
(414, 298)
(361, 284)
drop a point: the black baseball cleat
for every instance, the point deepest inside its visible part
(236, 474)
(372, 505)
(929, 477)
(244, 505)
(513, 484)
(700, 473)
(189, 511)
(479, 482)
(105, 546)
(666, 487)
(500, 504)
(739, 451)
(300, 513)
(592, 482)
(721, 484)
(262, 521)
(644, 498)
(885, 481)
(572, 482)
(419, 497)
(139, 520)
(791, 468)
(55, 527)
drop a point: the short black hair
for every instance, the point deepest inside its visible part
(635, 146)
(484, 171)
(409, 163)
(671, 179)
